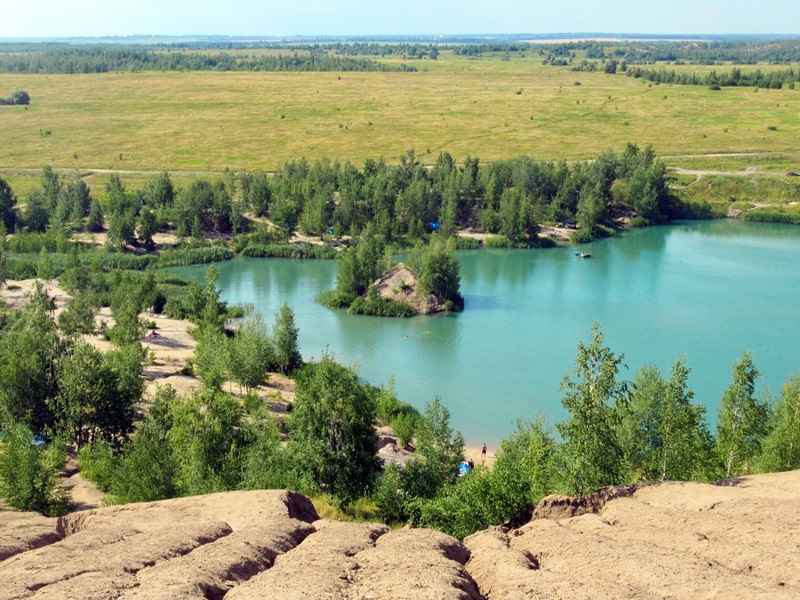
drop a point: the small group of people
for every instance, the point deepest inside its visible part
(468, 466)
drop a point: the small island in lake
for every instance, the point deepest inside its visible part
(369, 281)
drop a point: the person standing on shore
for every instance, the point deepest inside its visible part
(483, 452)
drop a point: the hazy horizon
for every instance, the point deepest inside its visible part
(281, 18)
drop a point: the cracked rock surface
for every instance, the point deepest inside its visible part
(676, 540)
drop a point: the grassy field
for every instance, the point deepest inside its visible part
(209, 121)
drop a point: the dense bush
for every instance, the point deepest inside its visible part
(380, 307)
(465, 243)
(335, 299)
(193, 256)
(764, 215)
(29, 475)
(289, 251)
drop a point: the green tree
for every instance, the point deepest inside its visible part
(332, 430)
(361, 264)
(45, 269)
(211, 358)
(78, 316)
(158, 192)
(37, 215)
(259, 195)
(782, 446)
(147, 227)
(147, 469)
(98, 393)
(212, 315)
(438, 270)
(30, 348)
(662, 435)
(287, 356)
(29, 475)
(125, 308)
(251, 353)
(743, 420)
(440, 450)
(266, 464)
(590, 451)
(19, 97)
(209, 442)
(96, 217)
(52, 187)
(8, 202)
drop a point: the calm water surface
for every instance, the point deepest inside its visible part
(709, 290)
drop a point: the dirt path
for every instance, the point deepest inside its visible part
(746, 172)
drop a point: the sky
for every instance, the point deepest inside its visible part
(73, 18)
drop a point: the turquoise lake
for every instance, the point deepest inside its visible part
(709, 290)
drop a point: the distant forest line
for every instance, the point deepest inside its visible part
(57, 57)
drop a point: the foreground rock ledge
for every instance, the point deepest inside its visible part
(677, 540)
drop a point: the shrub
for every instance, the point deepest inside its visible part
(582, 236)
(335, 299)
(638, 222)
(405, 426)
(29, 475)
(98, 464)
(465, 243)
(765, 215)
(289, 251)
(194, 256)
(380, 307)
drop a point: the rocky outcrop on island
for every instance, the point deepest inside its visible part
(678, 540)
(401, 284)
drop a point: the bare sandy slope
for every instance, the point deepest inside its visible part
(671, 540)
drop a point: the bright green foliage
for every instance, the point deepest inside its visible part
(29, 475)
(36, 216)
(266, 465)
(212, 313)
(78, 316)
(98, 393)
(438, 270)
(317, 213)
(332, 430)
(158, 192)
(250, 352)
(782, 446)
(287, 356)
(44, 268)
(208, 442)
(662, 435)
(96, 217)
(259, 195)
(8, 202)
(441, 451)
(361, 264)
(29, 351)
(461, 508)
(147, 227)
(743, 421)
(520, 478)
(211, 358)
(591, 454)
(523, 473)
(99, 464)
(126, 304)
(147, 470)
